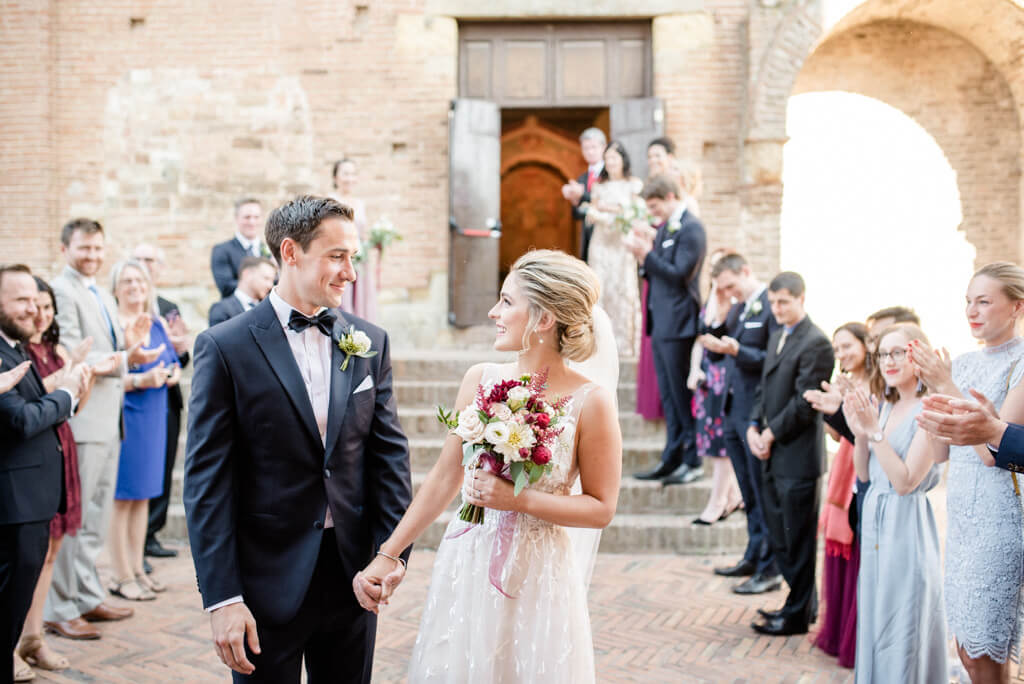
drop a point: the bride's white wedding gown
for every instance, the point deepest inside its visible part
(471, 632)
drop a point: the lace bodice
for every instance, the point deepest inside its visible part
(985, 543)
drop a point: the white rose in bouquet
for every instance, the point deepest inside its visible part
(471, 428)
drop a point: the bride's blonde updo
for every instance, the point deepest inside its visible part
(566, 287)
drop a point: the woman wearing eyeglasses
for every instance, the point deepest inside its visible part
(984, 537)
(901, 634)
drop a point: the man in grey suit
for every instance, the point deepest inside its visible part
(87, 310)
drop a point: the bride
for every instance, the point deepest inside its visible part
(517, 612)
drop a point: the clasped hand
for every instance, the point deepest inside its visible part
(375, 584)
(760, 442)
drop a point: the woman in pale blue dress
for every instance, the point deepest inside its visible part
(984, 536)
(901, 627)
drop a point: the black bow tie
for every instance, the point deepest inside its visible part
(324, 321)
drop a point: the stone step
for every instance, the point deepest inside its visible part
(635, 496)
(637, 454)
(434, 393)
(422, 423)
(628, 533)
(453, 364)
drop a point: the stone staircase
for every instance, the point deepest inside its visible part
(650, 518)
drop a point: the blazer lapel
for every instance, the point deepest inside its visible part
(11, 359)
(341, 385)
(269, 336)
(791, 342)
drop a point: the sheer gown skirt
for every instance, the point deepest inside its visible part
(470, 632)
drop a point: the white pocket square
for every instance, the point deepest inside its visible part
(753, 324)
(366, 384)
(667, 243)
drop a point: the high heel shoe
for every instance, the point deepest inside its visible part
(34, 651)
(151, 583)
(131, 590)
(732, 510)
(701, 521)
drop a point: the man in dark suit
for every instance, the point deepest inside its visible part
(671, 259)
(153, 259)
(31, 463)
(255, 279)
(787, 435)
(742, 341)
(296, 470)
(227, 256)
(592, 145)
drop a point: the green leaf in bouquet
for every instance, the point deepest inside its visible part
(536, 472)
(470, 452)
(447, 418)
(484, 418)
(519, 476)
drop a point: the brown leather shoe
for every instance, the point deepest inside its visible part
(105, 613)
(73, 629)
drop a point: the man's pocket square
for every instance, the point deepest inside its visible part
(366, 384)
(753, 324)
(667, 243)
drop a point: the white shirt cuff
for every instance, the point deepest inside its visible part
(74, 399)
(225, 602)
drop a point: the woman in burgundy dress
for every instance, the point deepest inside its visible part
(838, 635)
(48, 357)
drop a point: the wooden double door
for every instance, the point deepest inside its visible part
(513, 141)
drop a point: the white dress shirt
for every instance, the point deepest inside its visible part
(252, 247)
(247, 301)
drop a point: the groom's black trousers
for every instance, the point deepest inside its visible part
(331, 630)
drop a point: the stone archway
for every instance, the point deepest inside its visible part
(790, 36)
(535, 161)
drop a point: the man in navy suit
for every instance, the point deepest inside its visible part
(296, 468)
(227, 256)
(255, 279)
(671, 259)
(31, 462)
(742, 341)
(592, 145)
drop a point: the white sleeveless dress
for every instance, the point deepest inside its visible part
(471, 632)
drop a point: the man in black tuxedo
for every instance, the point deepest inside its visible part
(787, 435)
(227, 256)
(31, 463)
(592, 145)
(671, 259)
(255, 279)
(742, 341)
(153, 259)
(296, 470)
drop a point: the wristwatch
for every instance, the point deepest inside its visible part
(876, 438)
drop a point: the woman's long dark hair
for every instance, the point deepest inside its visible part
(617, 146)
(52, 334)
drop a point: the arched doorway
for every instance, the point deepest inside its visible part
(536, 160)
(870, 215)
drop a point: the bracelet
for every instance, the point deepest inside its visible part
(397, 560)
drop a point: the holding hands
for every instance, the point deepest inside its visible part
(374, 585)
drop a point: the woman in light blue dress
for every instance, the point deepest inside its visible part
(984, 536)
(901, 627)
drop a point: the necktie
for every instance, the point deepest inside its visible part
(20, 349)
(782, 341)
(106, 314)
(324, 321)
(591, 177)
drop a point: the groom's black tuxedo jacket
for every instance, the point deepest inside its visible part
(258, 479)
(31, 463)
(805, 361)
(672, 269)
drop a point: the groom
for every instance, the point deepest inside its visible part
(296, 470)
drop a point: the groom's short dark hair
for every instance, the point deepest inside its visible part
(300, 220)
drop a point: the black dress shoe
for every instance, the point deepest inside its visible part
(769, 614)
(758, 584)
(780, 626)
(742, 569)
(657, 473)
(155, 549)
(684, 474)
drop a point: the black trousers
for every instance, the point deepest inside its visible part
(158, 505)
(791, 513)
(672, 366)
(22, 552)
(586, 232)
(331, 630)
(748, 475)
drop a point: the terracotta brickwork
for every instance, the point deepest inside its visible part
(153, 117)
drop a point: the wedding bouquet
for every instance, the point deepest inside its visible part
(509, 430)
(633, 209)
(382, 234)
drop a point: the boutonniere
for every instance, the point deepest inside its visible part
(355, 343)
(674, 226)
(756, 307)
